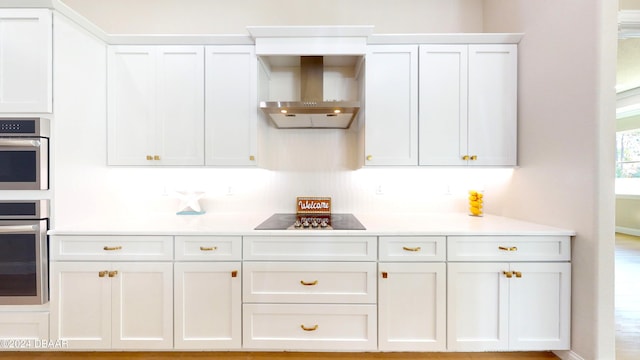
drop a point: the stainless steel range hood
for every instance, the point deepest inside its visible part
(312, 111)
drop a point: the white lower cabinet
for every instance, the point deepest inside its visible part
(208, 305)
(30, 327)
(119, 305)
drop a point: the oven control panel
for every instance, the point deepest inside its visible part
(24, 127)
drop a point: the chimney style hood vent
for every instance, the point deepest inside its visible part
(312, 111)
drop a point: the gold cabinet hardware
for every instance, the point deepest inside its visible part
(309, 283)
(417, 248)
(234, 273)
(252, 158)
(156, 157)
(518, 274)
(149, 157)
(504, 248)
(385, 274)
(465, 157)
(103, 273)
(113, 273)
(211, 248)
(112, 248)
(369, 157)
(508, 274)
(474, 157)
(313, 328)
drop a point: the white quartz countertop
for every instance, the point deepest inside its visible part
(244, 224)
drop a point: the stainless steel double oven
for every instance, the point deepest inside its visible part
(24, 154)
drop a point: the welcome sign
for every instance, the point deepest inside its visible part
(313, 205)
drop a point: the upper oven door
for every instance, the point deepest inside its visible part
(23, 262)
(24, 163)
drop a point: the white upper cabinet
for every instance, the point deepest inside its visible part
(468, 99)
(391, 101)
(156, 105)
(231, 105)
(26, 84)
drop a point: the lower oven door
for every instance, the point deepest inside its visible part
(24, 275)
(24, 163)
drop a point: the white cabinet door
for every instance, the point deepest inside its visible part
(81, 304)
(208, 305)
(477, 307)
(443, 104)
(156, 105)
(391, 105)
(468, 100)
(540, 306)
(492, 104)
(26, 54)
(142, 308)
(231, 105)
(412, 307)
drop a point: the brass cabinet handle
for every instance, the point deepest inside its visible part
(309, 283)
(149, 157)
(417, 248)
(252, 158)
(234, 273)
(474, 157)
(518, 274)
(504, 248)
(212, 248)
(313, 328)
(113, 273)
(156, 157)
(465, 157)
(112, 248)
(385, 274)
(103, 273)
(508, 274)
(369, 157)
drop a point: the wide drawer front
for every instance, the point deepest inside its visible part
(413, 248)
(121, 248)
(309, 327)
(309, 282)
(198, 248)
(295, 248)
(508, 248)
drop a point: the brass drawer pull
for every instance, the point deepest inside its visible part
(111, 248)
(234, 273)
(417, 248)
(518, 274)
(465, 157)
(508, 274)
(113, 273)
(309, 283)
(504, 248)
(102, 273)
(385, 274)
(212, 248)
(474, 157)
(149, 157)
(156, 157)
(313, 328)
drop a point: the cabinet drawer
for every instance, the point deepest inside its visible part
(120, 248)
(309, 327)
(509, 248)
(22, 325)
(309, 282)
(412, 248)
(198, 248)
(296, 248)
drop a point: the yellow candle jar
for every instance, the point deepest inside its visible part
(475, 202)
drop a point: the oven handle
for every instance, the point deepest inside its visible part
(20, 142)
(17, 228)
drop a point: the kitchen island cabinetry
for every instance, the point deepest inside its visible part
(508, 293)
(110, 304)
(324, 300)
(207, 295)
(26, 65)
(391, 101)
(468, 98)
(412, 293)
(155, 105)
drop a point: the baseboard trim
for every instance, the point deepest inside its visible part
(568, 355)
(627, 230)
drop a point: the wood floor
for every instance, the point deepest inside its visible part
(276, 355)
(627, 301)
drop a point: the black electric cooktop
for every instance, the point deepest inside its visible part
(286, 221)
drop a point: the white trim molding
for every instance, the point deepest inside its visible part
(628, 24)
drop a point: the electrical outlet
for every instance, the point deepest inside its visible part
(379, 190)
